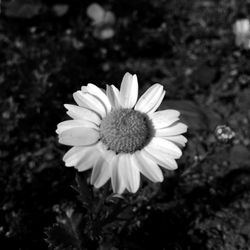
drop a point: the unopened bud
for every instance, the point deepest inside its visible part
(224, 133)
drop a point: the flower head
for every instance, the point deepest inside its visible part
(241, 30)
(224, 133)
(102, 20)
(120, 137)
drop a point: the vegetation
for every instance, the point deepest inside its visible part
(49, 49)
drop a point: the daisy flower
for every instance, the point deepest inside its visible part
(118, 136)
(241, 29)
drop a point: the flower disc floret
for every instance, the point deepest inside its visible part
(125, 130)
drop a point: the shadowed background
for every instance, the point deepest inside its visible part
(49, 49)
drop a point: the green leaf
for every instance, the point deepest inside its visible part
(85, 194)
(239, 154)
(243, 100)
(59, 237)
(23, 8)
(60, 9)
(204, 75)
(191, 113)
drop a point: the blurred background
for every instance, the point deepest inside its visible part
(49, 49)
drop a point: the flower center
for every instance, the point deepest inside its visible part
(126, 130)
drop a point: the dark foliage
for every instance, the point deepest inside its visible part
(48, 49)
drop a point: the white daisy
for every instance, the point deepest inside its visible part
(241, 29)
(120, 137)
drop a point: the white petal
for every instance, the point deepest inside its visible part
(241, 26)
(101, 172)
(164, 118)
(81, 113)
(164, 160)
(166, 147)
(90, 101)
(129, 91)
(97, 92)
(176, 129)
(117, 179)
(148, 167)
(114, 96)
(63, 126)
(96, 12)
(130, 172)
(150, 98)
(88, 160)
(74, 155)
(180, 140)
(79, 136)
(78, 97)
(157, 104)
